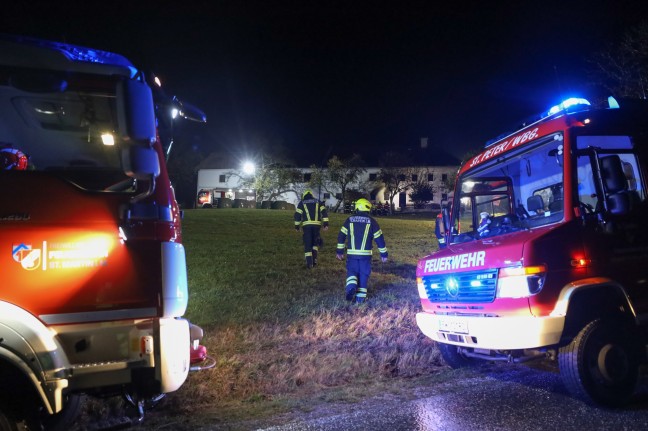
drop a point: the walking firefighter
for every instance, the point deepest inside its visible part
(311, 214)
(358, 232)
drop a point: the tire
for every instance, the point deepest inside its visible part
(7, 422)
(601, 364)
(452, 357)
(66, 417)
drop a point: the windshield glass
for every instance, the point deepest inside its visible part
(523, 190)
(72, 133)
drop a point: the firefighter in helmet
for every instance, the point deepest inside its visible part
(357, 234)
(12, 158)
(311, 215)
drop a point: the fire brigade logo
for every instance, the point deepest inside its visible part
(28, 257)
(452, 287)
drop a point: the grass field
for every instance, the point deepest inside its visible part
(283, 336)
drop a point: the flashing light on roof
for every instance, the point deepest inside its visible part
(79, 53)
(612, 103)
(566, 104)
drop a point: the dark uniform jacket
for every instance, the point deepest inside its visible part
(311, 212)
(358, 231)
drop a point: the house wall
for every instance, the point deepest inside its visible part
(226, 185)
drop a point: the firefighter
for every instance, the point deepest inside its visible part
(439, 230)
(311, 214)
(358, 233)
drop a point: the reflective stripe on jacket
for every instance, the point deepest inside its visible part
(311, 212)
(358, 232)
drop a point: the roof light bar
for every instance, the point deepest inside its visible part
(566, 104)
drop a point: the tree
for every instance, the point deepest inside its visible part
(395, 175)
(422, 192)
(623, 69)
(395, 180)
(270, 180)
(340, 175)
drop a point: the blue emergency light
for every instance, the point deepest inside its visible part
(567, 104)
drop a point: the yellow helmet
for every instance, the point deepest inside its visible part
(306, 192)
(363, 205)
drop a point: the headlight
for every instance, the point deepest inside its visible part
(521, 281)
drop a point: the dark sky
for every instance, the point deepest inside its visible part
(333, 77)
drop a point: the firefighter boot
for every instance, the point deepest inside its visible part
(351, 284)
(309, 260)
(314, 257)
(361, 295)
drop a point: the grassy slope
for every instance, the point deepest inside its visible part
(283, 336)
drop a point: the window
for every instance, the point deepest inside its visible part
(338, 196)
(444, 177)
(221, 179)
(373, 177)
(430, 177)
(444, 196)
(414, 177)
(307, 177)
(510, 194)
(327, 196)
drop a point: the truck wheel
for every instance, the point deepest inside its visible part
(601, 364)
(452, 357)
(66, 417)
(7, 423)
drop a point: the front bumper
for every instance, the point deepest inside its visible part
(494, 333)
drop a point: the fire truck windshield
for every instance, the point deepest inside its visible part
(522, 190)
(72, 131)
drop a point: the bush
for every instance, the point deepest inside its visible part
(224, 203)
(282, 205)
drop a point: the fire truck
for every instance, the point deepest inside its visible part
(547, 250)
(94, 282)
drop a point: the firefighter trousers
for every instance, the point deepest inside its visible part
(358, 271)
(311, 243)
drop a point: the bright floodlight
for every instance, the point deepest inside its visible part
(248, 168)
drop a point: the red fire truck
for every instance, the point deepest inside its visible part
(547, 251)
(93, 272)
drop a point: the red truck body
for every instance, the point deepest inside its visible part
(93, 267)
(547, 249)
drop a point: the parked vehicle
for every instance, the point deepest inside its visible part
(94, 282)
(546, 251)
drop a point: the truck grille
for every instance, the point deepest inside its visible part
(476, 286)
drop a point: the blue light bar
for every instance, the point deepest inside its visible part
(78, 53)
(566, 104)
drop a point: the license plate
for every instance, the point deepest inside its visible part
(458, 326)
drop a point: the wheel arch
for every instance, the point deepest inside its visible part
(590, 299)
(29, 347)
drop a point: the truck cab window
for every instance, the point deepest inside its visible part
(523, 191)
(593, 192)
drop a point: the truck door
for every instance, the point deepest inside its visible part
(611, 196)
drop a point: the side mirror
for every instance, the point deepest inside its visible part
(612, 174)
(141, 163)
(136, 112)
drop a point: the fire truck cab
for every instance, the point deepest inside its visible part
(94, 282)
(547, 251)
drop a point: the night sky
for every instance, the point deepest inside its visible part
(335, 77)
